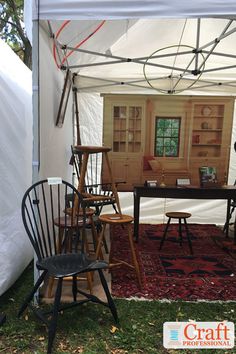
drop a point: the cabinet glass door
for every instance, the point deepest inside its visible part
(119, 128)
(127, 128)
(134, 129)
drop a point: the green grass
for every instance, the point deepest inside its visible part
(87, 329)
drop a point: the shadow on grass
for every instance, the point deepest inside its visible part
(89, 328)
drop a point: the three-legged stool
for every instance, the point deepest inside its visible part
(123, 220)
(180, 216)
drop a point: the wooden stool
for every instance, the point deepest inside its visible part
(119, 219)
(66, 226)
(64, 223)
(180, 216)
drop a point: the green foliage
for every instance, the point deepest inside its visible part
(88, 329)
(12, 29)
(167, 137)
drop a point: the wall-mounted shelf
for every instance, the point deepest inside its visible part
(207, 129)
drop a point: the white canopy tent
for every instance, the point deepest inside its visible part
(132, 30)
(122, 9)
(15, 163)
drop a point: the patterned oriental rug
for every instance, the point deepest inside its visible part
(172, 273)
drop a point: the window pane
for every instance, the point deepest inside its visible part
(175, 132)
(167, 136)
(160, 132)
(167, 132)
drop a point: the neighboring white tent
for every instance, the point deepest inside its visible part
(15, 163)
(132, 29)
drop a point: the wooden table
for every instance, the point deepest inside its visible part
(188, 192)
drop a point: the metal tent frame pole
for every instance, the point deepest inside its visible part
(199, 67)
(36, 118)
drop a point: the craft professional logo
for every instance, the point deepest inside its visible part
(192, 335)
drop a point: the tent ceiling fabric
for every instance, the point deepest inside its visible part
(147, 55)
(120, 9)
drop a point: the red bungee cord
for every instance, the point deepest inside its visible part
(65, 23)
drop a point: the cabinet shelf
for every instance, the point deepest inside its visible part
(208, 117)
(206, 144)
(205, 157)
(207, 130)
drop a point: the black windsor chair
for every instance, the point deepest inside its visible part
(51, 225)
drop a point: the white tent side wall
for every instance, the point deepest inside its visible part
(54, 142)
(91, 118)
(15, 163)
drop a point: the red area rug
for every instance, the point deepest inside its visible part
(172, 273)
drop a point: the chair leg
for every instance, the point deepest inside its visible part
(110, 301)
(31, 294)
(3, 318)
(99, 230)
(94, 234)
(74, 287)
(180, 233)
(101, 238)
(53, 323)
(89, 276)
(114, 207)
(105, 245)
(135, 262)
(188, 236)
(50, 286)
(164, 235)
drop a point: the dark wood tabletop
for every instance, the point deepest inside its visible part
(182, 192)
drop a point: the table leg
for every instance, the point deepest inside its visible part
(235, 230)
(136, 215)
(227, 219)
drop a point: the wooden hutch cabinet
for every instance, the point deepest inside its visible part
(129, 128)
(211, 136)
(124, 131)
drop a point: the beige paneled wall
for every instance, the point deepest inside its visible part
(209, 118)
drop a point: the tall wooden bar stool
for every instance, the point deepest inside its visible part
(96, 194)
(89, 177)
(123, 220)
(180, 216)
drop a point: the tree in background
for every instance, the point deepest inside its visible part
(12, 29)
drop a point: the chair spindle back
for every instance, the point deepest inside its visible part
(48, 218)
